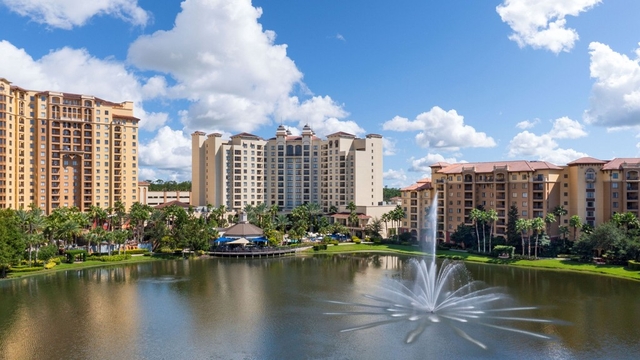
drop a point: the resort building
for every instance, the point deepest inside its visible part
(154, 198)
(590, 188)
(63, 150)
(286, 170)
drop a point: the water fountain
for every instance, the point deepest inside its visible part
(442, 297)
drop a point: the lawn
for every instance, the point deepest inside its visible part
(552, 264)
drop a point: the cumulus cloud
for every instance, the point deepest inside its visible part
(423, 164)
(527, 124)
(541, 147)
(77, 71)
(321, 113)
(395, 178)
(541, 23)
(388, 146)
(66, 14)
(169, 152)
(565, 128)
(441, 129)
(615, 95)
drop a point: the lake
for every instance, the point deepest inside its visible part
(215, 308)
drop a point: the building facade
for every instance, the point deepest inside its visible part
(64, 150)
(286, 170)
(590, 188)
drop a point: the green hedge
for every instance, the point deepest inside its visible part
(107, 258)
(633, 265)
(24, 269)
(320, 247)
(72, 254)
(136, 251)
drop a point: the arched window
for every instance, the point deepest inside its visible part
(87, 103)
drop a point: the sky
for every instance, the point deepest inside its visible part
(448, 80)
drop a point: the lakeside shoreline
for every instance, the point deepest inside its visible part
(616, 271)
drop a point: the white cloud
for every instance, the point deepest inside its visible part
(527, 124)
(321, 113)
(66, 14)
(615, 96)
(541, 147)
(541, 23)
(388, 146)
(154, 121)
(565, 128)
(340, 37)
(441, 129)
(423, 164)
(76, 71)
(169, 152)
(395, 178)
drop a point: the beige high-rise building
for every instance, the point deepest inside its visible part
(63, 150)
(286, 170)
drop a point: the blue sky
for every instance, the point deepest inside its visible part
(455, 80)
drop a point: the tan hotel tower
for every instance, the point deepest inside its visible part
(286, 170)
(63, 150)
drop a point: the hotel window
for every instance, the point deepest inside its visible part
(615, 204)
(524, 194)
(614, 185)
(614, 175)
(615, 195)
(591, 195)
(524, 213)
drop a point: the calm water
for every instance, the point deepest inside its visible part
(273, 309)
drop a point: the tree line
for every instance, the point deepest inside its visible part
(617, 240)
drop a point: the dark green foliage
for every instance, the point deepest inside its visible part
(388, 193)
(513, 235)
(73, 255)
(47, 252)
(501, 250)
(464, 236)
(633, 265)
(12, 245)
(161, 185)
(608, 241)
(405, 237)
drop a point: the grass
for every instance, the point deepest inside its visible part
(82, 265)
(547, 264)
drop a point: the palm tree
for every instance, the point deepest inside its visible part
(523, 226)
(549, 219)
(281, 222)
(537, 225)
(476, 216)
(491, 216)
(560, 211)
(397, 215)
(314, 210)
(374, 227)
(575, 222)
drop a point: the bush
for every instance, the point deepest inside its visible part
(633, 265)
(16, 270)
(107, 258)
(499, 250)
(136, 251)
(357, 241)
(73, 254)
(47, 252)
(50, 265)
(354, 238)
(377, 241)
(334, 242)
(166, 250)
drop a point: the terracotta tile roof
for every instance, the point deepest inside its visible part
(143, 183)
(247, 135)
(422, 184)
(125, 117)
(346, 216)
(341, 133)
(586, 160)
(488, 167)
(174, 202)
(619, 163)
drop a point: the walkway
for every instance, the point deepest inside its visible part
(257, 253)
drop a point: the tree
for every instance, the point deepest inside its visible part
(11, 243)
(548, 220)
(281, 223)
(576, 223)
(491, 216)
(388, 193)
(139, 214)
(476, 216)
(560, 211)
(374, 227)
(463, 235)
(314, 210)
(537, 225)
(513, 235)
(523, 226)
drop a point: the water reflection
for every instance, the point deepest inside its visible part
(272, 308)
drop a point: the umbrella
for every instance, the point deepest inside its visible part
(241, 241)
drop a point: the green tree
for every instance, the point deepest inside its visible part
(476, 217)
(491, 216)
(374, 227)
(523, 226)
(560, 211)
(537, 225)
(513, 235)
(388, 193)
(11, 242)
(549, 219)
(576, 223)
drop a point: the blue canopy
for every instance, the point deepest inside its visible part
(223, 240)
(259, 239)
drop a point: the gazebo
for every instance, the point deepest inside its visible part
(242, 230)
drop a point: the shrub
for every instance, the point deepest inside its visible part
(24, 269)
(354, 238)
(502, 249)
(377, 241)
(73, 254)
(107, 258)
(633, 265)
(50, 265)
(136, 251)
(47, 252)
(357, 241)
(166, 250)
(334, 242)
